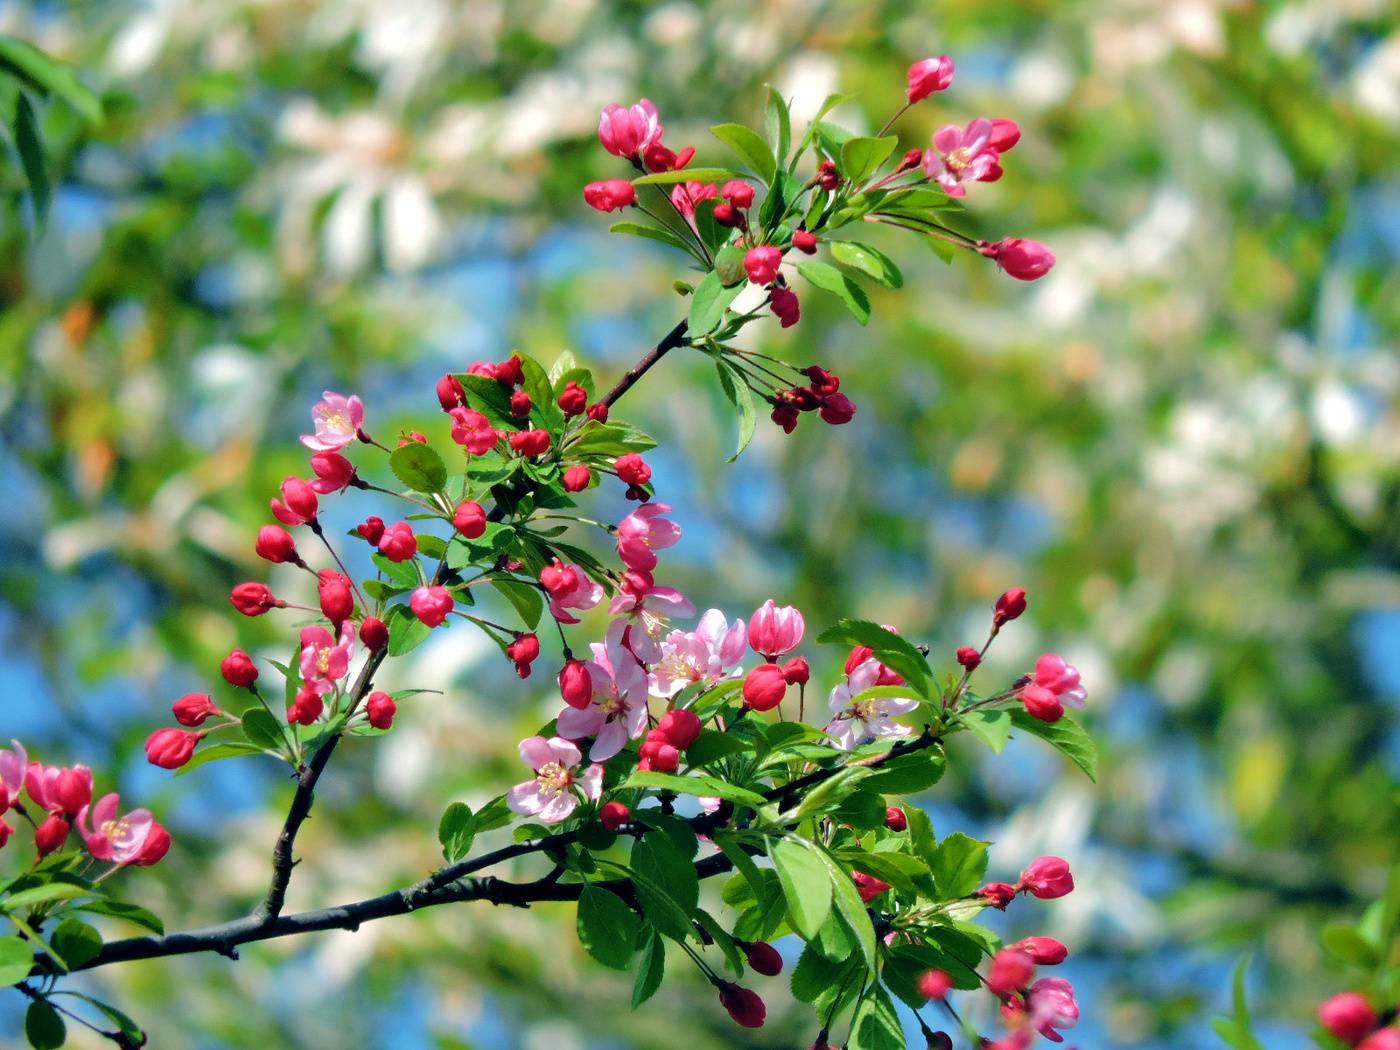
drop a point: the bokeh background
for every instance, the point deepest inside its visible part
(1182, 442)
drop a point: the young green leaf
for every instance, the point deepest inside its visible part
(455, 831)
(868, 261)
(262, 730)
(749, 146)
(528, 601)
(777, 124)
(418, 467)
(48, 75)
(891, 649)
(607, 927)
(668, 178)
(406, 631)
(806, 884)
(741, 397)
(76, 942)
(43, 1026)
(652, 233)
(1067, 736)
(30, 144)
(652, 969)
(830, 279)
(708, 304)
(958, 865)
(861, 157)
(16, 960)
(993, 728)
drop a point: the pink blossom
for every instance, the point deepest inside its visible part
(1061, 678)
(967, 156)
(859, 722)
(618, 708)
(928, 76)
(644, 605)
(774, 631)
(398, 543)
(761, 264)
(431, 604)
(58, 789)
(334, 472)
(550, 794)
(298, 504)
(1023, 259)
(1051, 1005)
(473, 431)
(1348, 1016)
(323, 659)
(338, 420)
(642, 532)
(120, 839)
(686, 195)
(610, 194)
(627, 132)
(574, 589)
(14, 765)
(1046, 878)
(707, 654)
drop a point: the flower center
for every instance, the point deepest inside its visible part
(553, 778)
(323, 662)
(958, 160)
(867, 709)
(609, 702)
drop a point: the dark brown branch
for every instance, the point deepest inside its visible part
(674, 338)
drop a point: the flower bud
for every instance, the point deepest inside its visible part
(238, 670)
(1009, 606)
(576, 478)
(573, 399)
(928, 76)
(763, 958)
(1005, 134)
(193, 708)
(520, 405)
(470, 519)
(610, 194)
(934, 984)
(786, 307)
(254, 599)
(1011, 971)
(275, 544)
(728, 216)
(828, 178)
(743, 1004)
(969, 657)
(598, 412)
(658, 755)
(306, 707)
(372, 530)
(72, 789)
(1046, 878)
(631, 469)
(1041, 703)
(997, 894)
(796, 671)
(680, 727)
(398, 543)
(1023, 259)
(576, 684)
(805, 241)
(764, 687)
(337, 600)
(738, 193)
(157, 845)
(431, 604)
(761, 264)
(559, 579)
(450, 394)
(1385, 1039)
(380, 709)
(773, 630)
(171, 748)
(51, 835)
(614, 815)
(1348, 1016)
(530, 442)
(524, 650)
(298, 504)
(510, 371)
(868, 886)
(896, 820)
(334, 473)
(374, 633)
(837, 409)
(1044, 951)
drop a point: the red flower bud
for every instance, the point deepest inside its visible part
(298, 503)
(238, 669)
(743, 1004)
(738, 193)
(764, 687)
(577, 477)
(969, 657)
(374, 633)
(997, 894)
(1023, 259)
(51, 835)
(306, 707)
(785, 306)
(470, 519)
(934, 984)
(73, 790)
(171, 748)
(896, 820)
(157, 846)
(1046, 878)
(398, 543)
(275, 544)
(786, 416)
(631, 469)
(1011, 971)
(450, 393)
(763, 958)
(511, 372)
(828, 177)
(1044, 951)
(796, 671)
(868, 886)
(372, 530)
(576, 684)
(610, 194)
(334, 472)
(728, 216)
(680, 727)
(598, 412)
(761, 264)
(431, 604)
(337, 600)
(658, 755)
(1041, 703)
(804, 241)
(559, 579)
(1009, 606)
(520, 405)
(613, 815)
(192, 709)
(573, 400)
(254, 599)
(927, 76)
(380, 709)
(524, 650)
(530, 442)
(837, 409)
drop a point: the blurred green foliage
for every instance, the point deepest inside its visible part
(1183, 443)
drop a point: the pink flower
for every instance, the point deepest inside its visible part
(1348, 1016)
(642, 532)
(785, 306)
(569, 587)
(1023, 259)
(172, 748)
(707, 654)
(120, 839)
(334, 472)
(338, 420)
(928, 76)
(1050, 1003)
(431, 604)
(627, 132)
(1046, 878)
(298, 503)
(14, 764)
(473, 431)
(618, 708)
(687, 195)
(398, 542)
(550, 795)
(324, 660)
(967, 156)
(642, 601)
(1060, 678)
(859, 722)
(1044, 951)
(1385, 1039)
(1011, 970)
(57, 789)
(632, 469)
(610, 194)
(761, 264)
(774, 631)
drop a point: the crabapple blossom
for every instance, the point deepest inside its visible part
(172, 748)
(797, 671)
(1023, 259)
(275, 544)
(934, 984)
(805, 241)
(686, 195)
(631, 469)
(1348, 1016)
(59, 790)
(431, 604)
(14, 765)
(550, 794)
(1011, 970)
(51, 834)
(1044, 951)
(761, 264)
(743, 1004)
(774, 631)
(324, 658)
(524, 650)
(927, 76)
(644, 604)
(859, 722)
(627, 132)
(374, 633)
(334, 473)
(193, 708)
(573, 400)
(398, 543)
(380, 709)
(659, 158)
(1041, 703)
(337, 420)
(1051, 1005)
(569, 587)
(643, 532)
(896, 819)
(617, 709)
(764, 687)
(1046, 878)
(298, 505)
(1062, 679)
(111, 837)
(961, 155)
(530, 442)
(473, 431)
(762, 957)
(610, 194)
(470, 519)
(156, 847)
(1005, 134)
(336, 597)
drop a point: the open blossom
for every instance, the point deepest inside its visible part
(859, 722)
(618, 707)
(650, 608)
(110, 837)
(686, 195)
(642, 532)
(961, 155)
(323, 658)
(14, 764)
(707, 654)
(473, 431)
(569, 587)
(774, 631)
(627, 132)
(57, 789)
(1050, 1003)
(1062, 679)
(337, 419)
(550, 794)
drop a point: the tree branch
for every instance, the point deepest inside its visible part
(674, 338)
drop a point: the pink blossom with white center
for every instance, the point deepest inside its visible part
(644, 605)
(859, 722)
(706, 654)
(584, 594)
(626, 132)
(618, 709)
(967, 156)
(111, 837)
(1051, 1005)
(1062, 679)
(323, 659)
(643, 532)
(13, 767)
(338, 420)
(774, 631)
(550, 795)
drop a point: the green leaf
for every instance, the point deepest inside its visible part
(651, 970)
(16, 960)
(51, 891)
(993, 728)
(876, 1026)
(406, 631)
(130, 912)
(852, 909)
(861, 157)
(777, 124)
(832, 101)
(830, 279)
(863, 810)
(49, 75)
(418, 467)
(76, 942)
(806, 883)
(868, 261)
(43, 1027)
(940, 247)
(205, 755)
(923, 843)
(908, 773)
(609, 439)
(697, 784)
(892, 650)
(607, 927)
(958, 865)
(262, 730)
(1067, 735)
(828, 794)
(712, 745)
(667, 178)
(653, 233)
(749, 146)
(129, 1028)
(430, 546)
(906, 963)
(1342, 940)
(814, 973)
(708, 303)
(893, 868)
(456, 831)
(541, 392)
(1236, 1030)
(403, 573)
(528, 601)
(666, 885)
(30, 144)
(741, 397)
(781, 195)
